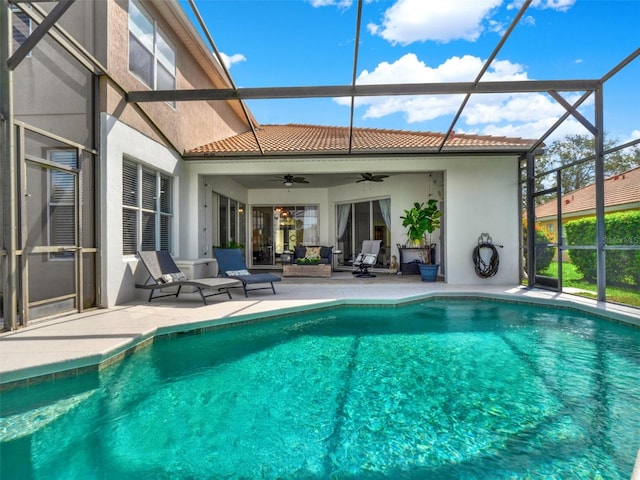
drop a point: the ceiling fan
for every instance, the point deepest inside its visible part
(289, 180)
(368, 177)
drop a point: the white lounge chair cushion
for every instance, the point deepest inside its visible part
(173, 277)
(237, 273)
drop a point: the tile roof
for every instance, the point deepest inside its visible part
(315, 139)
(621, 189)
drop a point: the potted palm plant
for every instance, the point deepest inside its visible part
(421, 221)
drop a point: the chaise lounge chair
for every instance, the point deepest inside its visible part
(232, 265)
(164, 273)
(368, 257)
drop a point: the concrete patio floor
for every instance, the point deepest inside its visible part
(74, 343)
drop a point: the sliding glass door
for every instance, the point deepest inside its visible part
(279, 229)
(361, 221)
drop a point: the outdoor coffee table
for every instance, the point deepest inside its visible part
(294, 270)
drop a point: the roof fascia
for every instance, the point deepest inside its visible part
(209, 156)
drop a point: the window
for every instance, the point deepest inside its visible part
(151, 57)
(62, 202)
(229, 221)
(146, 209)
(21, 23)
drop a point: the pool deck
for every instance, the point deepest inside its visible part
(74, 343)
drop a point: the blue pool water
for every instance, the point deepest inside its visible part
(443, 389)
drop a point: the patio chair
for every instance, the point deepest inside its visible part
(164, 273)
(232, 265)
(367, 258)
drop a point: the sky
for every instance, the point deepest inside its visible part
(283, 43)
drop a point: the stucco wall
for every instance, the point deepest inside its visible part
(119, 141)
(482, 197)
(188, 124)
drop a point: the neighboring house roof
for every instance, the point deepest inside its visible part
(292, 139)
(619, 190)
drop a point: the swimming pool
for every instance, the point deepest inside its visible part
(441, 389)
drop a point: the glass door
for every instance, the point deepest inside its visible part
(363, 221)
(262, 222)
(277, 230)
(286, 230)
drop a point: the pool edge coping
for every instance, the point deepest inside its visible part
(23, 377)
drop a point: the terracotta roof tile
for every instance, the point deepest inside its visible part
(294, 138)
(621, 189)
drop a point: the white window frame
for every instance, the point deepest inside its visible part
(157, 60)
(140, 208)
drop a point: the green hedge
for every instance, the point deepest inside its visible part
(544, 254)
(623, 267)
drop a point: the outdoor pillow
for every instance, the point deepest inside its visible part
(370, 259)
(237, 273)
(173, 277)
(312, 252)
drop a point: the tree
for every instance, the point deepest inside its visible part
(578, 147)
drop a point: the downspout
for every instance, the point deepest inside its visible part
(9, 175)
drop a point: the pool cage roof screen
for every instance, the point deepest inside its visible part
(569, 94)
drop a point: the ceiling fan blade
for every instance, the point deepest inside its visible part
(378, 178)
(368, 177)
(300, 180)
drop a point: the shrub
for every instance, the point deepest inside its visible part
(622, 267)
(544, 254)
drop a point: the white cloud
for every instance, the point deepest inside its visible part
(233, 59)
(529, 21)
(534, 130)
(497, 27)
(561, 5)
(527, 115)
(331, 3)
(410, 21)
(409, 69)
(522, 107)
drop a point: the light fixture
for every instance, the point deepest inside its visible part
(288, 184)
